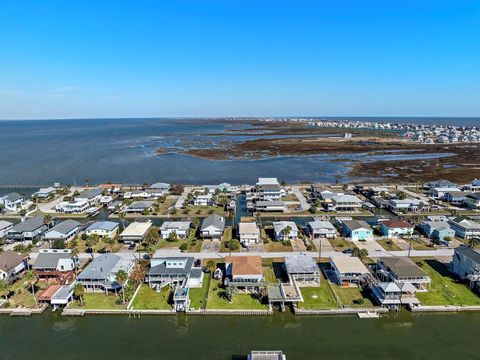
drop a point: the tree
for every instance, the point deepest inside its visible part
(196, 222)
(152, 236)
(4, 288)
(122, 278)
(129, 291)
(233, 244)
(360, 253)
(344, 187)
(58, 244)
(172, 237)
(47, 219)
(184, 247)
(313, 209)
(31, 278)
(122, 218)
(92, 240)
(401, 195)
(229, 292)
(138, 274)
(286, 232)
(78, 292)
(473, 242)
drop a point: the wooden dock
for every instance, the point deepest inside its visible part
(73, 312)
(21, 312)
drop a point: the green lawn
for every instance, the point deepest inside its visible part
(340, 244)
(347, 296)
(239, 302)
(319, 297)
(419, 245)
(149, 299)
(277, 246)
(22, 295)
(269, 275)
(444, 290)
(198, 296)
(99, 301)
(389, 245)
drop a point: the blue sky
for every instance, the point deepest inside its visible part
(67, 59)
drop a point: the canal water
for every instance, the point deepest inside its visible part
(402, 336)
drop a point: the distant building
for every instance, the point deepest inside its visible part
(285, 230)
(12, 202)
(393, 229)
(65, 230)
(104, 229)
(357, 230)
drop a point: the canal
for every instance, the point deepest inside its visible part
(399, 336)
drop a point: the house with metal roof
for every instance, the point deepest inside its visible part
(56, 264)
(140, 206)
(455, 197)
(212, 227)
(28, 229)
(321, 229)
(100, 274)
(108, 229)
(343, 203)
(394, 229)
(402, 270)
(348, 269)
(302, 268)
(472, 201)
(136, 231)
(357, 230)
(269, 206)
(249, 232)
(464, 228)
(65, 230)
(4, 227)
(11, 264)
(174, 271)
(285, 230)
(44, 193)
(163, 187)
(440, 183)
(437, 231)
(181, 228)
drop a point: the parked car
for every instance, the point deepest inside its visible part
(348, 251)
(131, 246)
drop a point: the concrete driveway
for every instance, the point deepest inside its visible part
(370, 245)
(210, 246)
(304, 205)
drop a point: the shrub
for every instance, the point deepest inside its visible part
(184, 247)
(359, 301)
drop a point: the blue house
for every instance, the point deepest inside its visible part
(438, 231)
(357, 230)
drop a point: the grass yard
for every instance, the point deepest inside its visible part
(162, 208)
(202, 211)
(419, 245)
(149, 299)
(444, 289)
(269, 274)
(22, 295)
(239, 302)
(99, 301)
(319, 297)
(277, 246)
(348, 295)
(198, 296)
(340, 244)
(389, 245)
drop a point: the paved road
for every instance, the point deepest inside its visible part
(304, 205)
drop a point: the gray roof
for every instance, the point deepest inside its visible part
(438, 225)
(270, 203)
(161, 269)
(103, 225)
(4, 224)
(475, 196)
(469, 252)
(317, 224)
(141, 205)
(29, 225)
(13, 196)
(65, 226)
(49, 260)
(63, 292)
(301, 263)
(9, 260)
(196, 273)
(89, 194)
(215, 221)
(403, 267)
(356, 224)
(441, 183)
(160, 185)
(101, 267)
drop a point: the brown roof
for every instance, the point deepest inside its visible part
(9, 259)
(397, 224)
(245, 265)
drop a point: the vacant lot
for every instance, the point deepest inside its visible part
(149, 299)
(239, 302)
(99, 301)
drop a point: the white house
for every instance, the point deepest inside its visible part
(243, 271)
(72, 207)
(10, 264)
(203, 200)
(136, 232)
(323, 229)
(465, 228)
(393, 229)
(103, 229)
(285, 230)
(4, 227)
(66, 230)
(345, 203)
(92, 196)
(54, 260)
(439, 192)
(212, 227)
(12, 202)
(44, 193)
(249, 232)
(181, 228)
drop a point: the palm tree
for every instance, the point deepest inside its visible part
(4, 288)
(121, 278)
(31, 278)
(122, 218)
(78, 291)
(286, 232)
(47, 219)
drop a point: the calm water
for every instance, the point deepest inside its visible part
(403, 336)
(70, 151)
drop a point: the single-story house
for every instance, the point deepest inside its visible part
(66, 230)
(348, 269)
(473, 201)
(28, 230)
(243, 271)
(402, 270)
(174, 270)
(106, 229)
(321, 229)
(163, 187)
(181, 228)
(212, 227)
(465, 228)
(12, 202)
(285, 230)
(140, 206)
(136, 231)
(357, 230)
(11, 264)
(4, 227)
(249, 232)
(44, 193)
(100, 274)
(393, 229)
(302, 267)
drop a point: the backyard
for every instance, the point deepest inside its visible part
(149, 299)
(239, 301)
(444, 289)
(198, 296)
(22, 295)
(318, 297)
(99, 301)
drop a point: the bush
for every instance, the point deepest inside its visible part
(184, 247)
(266, 240)
(286, 243)
(359, 301)
(309, 248)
